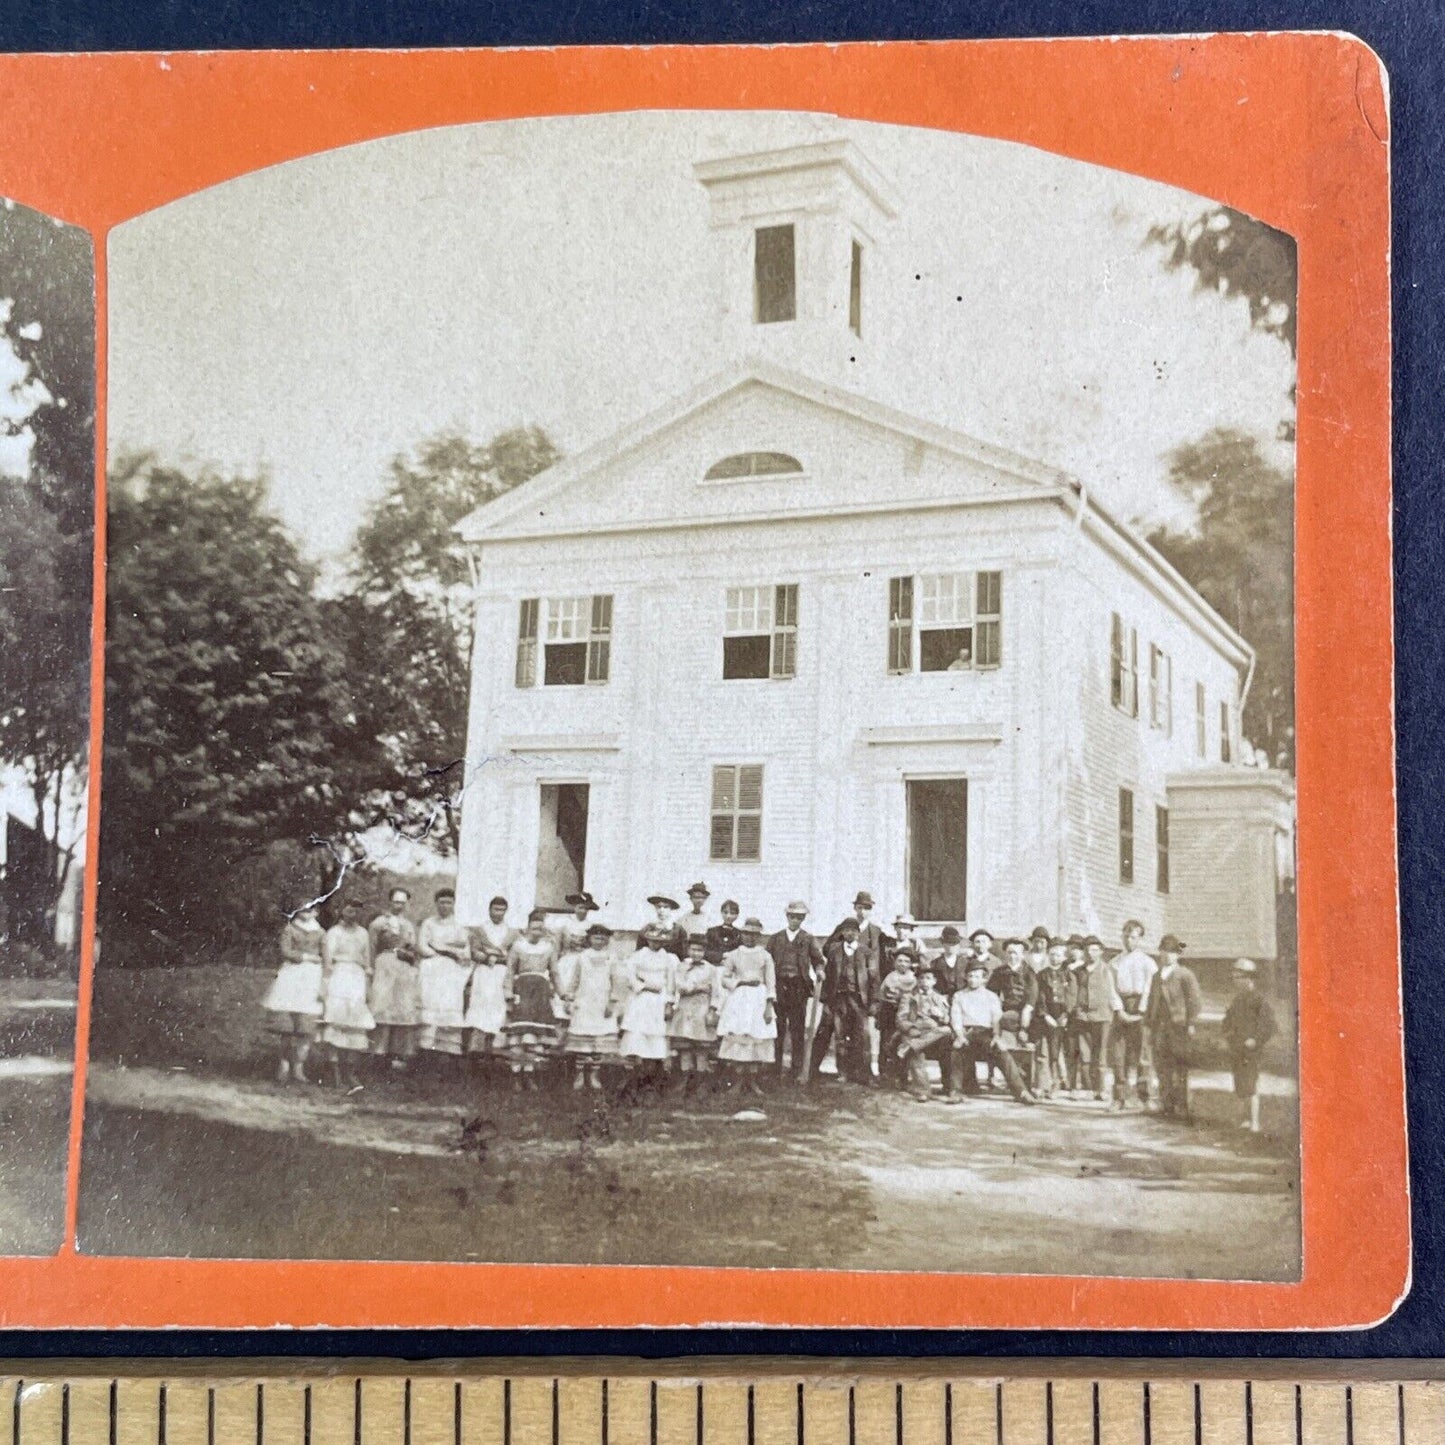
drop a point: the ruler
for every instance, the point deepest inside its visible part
(731, 1403)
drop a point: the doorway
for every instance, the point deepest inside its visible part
(938, 849)
(561, 843)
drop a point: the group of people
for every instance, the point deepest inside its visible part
(1049, 1016)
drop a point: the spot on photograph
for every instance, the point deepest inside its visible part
(699, 689)
(47, 539)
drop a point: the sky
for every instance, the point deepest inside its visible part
(316, 319)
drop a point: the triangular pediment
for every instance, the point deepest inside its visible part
(852, 454)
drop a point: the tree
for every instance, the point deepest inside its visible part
(1236, 255)
(1240, 557)
(407, 618)
(47, 502)
(228, 724)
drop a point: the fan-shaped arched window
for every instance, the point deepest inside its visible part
(753, 464)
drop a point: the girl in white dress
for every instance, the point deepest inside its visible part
(592, 1030)
(346, 1020)
(486, 1015)
(294, 999)
(747, 1023)
(495, 929)
(693, 1026)
(650, 978)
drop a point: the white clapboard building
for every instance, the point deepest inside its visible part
(795, 642)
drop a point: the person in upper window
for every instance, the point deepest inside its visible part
(963, 661)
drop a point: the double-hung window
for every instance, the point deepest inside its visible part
(1124, 667)
(1226, 734)
(760, 632)
(775, 280)
(945, 622)
(737, 812)
(573, 636)
(1161, 691)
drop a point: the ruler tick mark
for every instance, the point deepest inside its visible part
(556, 1410)
(260, 1413)
(65, 1413)
(801, 1431)
(1400, 1412)
(699, 1414)
(306, 1416)
(1248, 1412)
(1096, 1413)
(1148, 1422)
(1049, 1412)
(114, 1409)
(652, 1413)
(1299, 1416)
(852, 1421)
(456, 1414)
(210, 1415)
(356, 1412)
(948, 1413)
(506, 1412)
(405, 1412)
(897, 1415)
(1349, 1415)
(750, 1418)
(15, 1413)
(1198, 1418)
(604, 1413)
(998, 1413)
(161, 1415)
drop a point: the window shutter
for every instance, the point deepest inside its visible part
(1133, 670)
(750, 811)
(1161, 843)
(1116, 661)
(988, 620)
(785, 631)
(1168, 683)
(900, 624)
(1126, 835)
(527, 642)
(599, 639)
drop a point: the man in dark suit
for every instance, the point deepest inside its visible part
(1174, 1007)
(797, 963)
(850, 999)
(870, 936)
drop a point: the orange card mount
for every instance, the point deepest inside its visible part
(871, 480)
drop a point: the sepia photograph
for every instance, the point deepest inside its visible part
(696, 688)
(47, 540)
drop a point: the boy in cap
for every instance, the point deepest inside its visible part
(1057, 996)
(723, 937)
(800, 966)
(870, 936)
(1248, 1027)
(1093, 1014)
(949, 965)
(893, 992)
(923, 1024)
(1037, 952)
(1134, 974)
(849, 999)
(1174, 1005)
(975, 1018)
(1018, 990)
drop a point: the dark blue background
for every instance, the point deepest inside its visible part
(1410, 37)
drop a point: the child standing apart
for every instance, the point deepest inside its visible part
(650, 976)
(346, 1021)
(693, 1026)
(532, 1033)
(747, 1024)
(294, 999)
(486, 1015)
(592, 1029)
(1248, 1027)
(1134, 974)
(395, 989)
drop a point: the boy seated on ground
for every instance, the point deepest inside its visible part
(923, 1024)
(975, 1018)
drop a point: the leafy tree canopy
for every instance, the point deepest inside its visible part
(229, 723)
(1240, 557)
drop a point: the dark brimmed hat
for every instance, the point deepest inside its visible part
(661, 900)
(864, 899)
(445, 893)
(1171, 943)
(1039, 931)
(1093, 941)
(752, 924)
(1009, 942)
(797, 906)
(598, 926)
(950, 934)
(699, 888)
(975, 965)
(848, 925)
(581, 900)
(980, 933)
(1075, 941)
(1056, 942)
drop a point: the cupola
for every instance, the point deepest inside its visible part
(799, 232)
